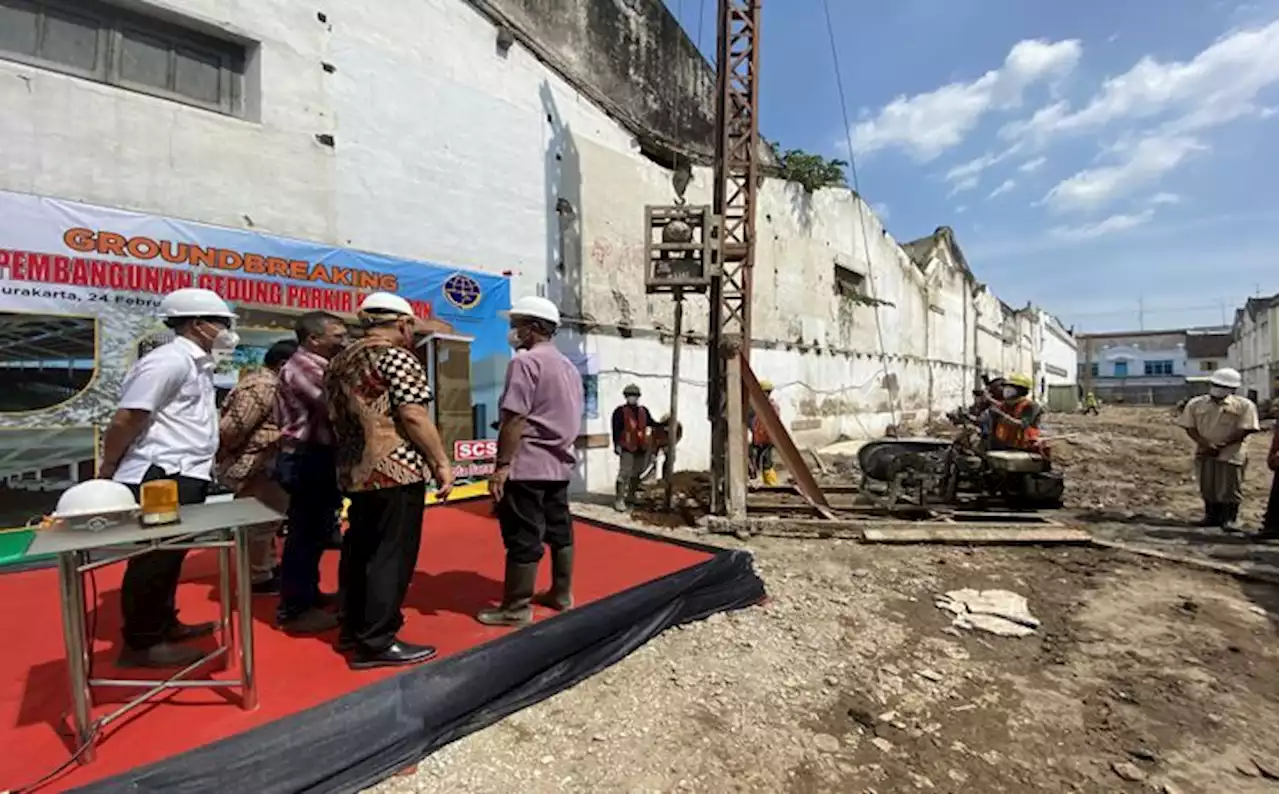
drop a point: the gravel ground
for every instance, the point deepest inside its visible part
(849, 679)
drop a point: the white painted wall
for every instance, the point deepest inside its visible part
(449, 152)
(1058, 350)
(1254, 351)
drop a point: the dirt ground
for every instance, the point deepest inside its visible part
(1145, 675)
(1137, 463)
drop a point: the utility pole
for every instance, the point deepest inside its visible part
(734, 208)
(1142, 326)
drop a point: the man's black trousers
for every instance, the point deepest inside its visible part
(309, 475)
(379, 552)
(151, 579)
(531, 513)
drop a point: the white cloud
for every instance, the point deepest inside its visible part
(926, 125)
(1166, 198)
(1102, 228)
(1217, 86)
(1003, 188)
(1143, 162)
(960, 208)
(1031, 166)
(968, 183)
(881, 211)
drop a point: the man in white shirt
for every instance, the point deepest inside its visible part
(166, 427)
(1218, 423)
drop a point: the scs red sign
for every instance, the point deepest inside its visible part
(481, 449)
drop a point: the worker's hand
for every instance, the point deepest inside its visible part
(498, 482)
(444, 484)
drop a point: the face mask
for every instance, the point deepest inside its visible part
(633, 401)
(513, 339)
(1009, 392)
(1219, 393)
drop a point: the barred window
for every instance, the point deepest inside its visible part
(98, 41)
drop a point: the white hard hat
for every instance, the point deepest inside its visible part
(1226, 377)
(95, 497)
(535, 308)
(385, 302)
(382, 303)
(194, 302)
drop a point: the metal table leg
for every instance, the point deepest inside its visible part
(71, 585)
(244, 596)
(225, 559)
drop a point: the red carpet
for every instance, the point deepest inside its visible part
(459, 571)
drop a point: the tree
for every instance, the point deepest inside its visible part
(810, 171)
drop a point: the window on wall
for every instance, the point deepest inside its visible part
(1208, 365)
(1093, 369)
(1157, 368)
(848, 283)
(1120, 369)
(100, 42)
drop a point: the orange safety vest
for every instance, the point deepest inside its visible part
(1015, 436)
(760, 433)
(635, 430)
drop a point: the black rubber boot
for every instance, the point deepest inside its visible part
(517, 593)
(1229, 516)
(1212, 511)
(560, 596)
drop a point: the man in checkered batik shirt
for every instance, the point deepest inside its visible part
(386, 441)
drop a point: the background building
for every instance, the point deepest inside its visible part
(1150, 367)
(503, 136)
(1255, 346)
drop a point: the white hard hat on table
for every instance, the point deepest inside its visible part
(535, 308)
(95, 497)
(194, 302)
(1226, 378)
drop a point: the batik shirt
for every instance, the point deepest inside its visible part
(366, 383)
(248, 430)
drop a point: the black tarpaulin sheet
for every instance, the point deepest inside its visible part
(353, 742)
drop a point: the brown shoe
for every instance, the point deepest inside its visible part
(313, 621)
(164, 655)
(181, 632)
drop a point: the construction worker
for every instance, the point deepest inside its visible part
(1015, 420)
(631, 425)
(1218, 423)
(761, 463)
(1090, 404)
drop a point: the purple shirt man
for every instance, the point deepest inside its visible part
(544, 386)
(541, 415)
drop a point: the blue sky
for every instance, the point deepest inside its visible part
(1095, 158)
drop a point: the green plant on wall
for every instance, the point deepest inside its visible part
(810, 171)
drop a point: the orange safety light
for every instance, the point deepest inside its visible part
(159, 503)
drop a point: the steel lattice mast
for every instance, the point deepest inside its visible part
(734, 205)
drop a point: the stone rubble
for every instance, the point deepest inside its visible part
(999, 612)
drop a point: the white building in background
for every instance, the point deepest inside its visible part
(1150, 366)
(1255, 346)
(502, 137)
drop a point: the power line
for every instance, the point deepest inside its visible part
(859, 202)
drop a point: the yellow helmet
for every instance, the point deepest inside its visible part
(1020, 380)
(766, 385)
